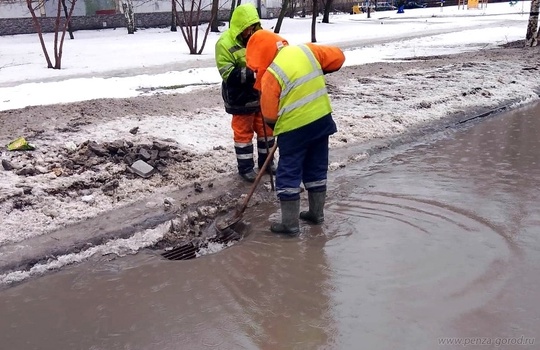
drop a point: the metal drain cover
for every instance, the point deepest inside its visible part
(189, 250)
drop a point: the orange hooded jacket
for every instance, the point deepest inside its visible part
(262, 48)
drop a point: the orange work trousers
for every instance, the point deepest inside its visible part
(244, 128)
(246, 125)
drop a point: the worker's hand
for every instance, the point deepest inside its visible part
(241, 76)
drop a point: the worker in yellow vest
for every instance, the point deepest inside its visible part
(296, 105)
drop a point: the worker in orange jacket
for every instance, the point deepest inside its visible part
(295, 103)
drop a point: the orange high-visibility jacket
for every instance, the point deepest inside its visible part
(261, 50)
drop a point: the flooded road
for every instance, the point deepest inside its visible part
(436, 244)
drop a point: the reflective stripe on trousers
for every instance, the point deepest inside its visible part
(262, 151)
(244, 128)
(244, 157)
(308, 165)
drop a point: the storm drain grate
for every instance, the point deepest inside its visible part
(189, 250)
(183, 252)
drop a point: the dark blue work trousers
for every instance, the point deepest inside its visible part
(303, 157)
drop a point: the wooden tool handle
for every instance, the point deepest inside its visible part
(269, 158)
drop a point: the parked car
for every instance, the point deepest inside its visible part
(415, 5)
(380, 6)
(384, 6)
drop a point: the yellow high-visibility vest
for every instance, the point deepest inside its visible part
(304, 97)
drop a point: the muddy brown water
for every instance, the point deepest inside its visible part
(433, 242)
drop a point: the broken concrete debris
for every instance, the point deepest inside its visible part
(168, 203)
(88, 199)
(142, 169)
(71, 159)
(110, 186)
(7, 165)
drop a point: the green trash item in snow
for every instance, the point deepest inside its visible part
(20, 144)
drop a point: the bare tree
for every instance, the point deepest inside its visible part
(173, 17)
(127, 6)
(60, 28)
(327, 4)
(533, 32)
(292, 10)
(314, 21)
(234, 4)
(282, 12)
(66, 13)
(190, 19)
(215, 25)
(303, 14)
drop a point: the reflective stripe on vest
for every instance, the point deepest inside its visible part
(304, 97)
(239, 57)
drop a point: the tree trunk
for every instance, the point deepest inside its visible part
(174, 24)
(130, 16)
(282, 12)
(531, 38)
(57, 54)
(314, 21)
(189, 24)
(327, 8)
(60, 45)
(70, 29)
(212, 20)
(58, 29)
(233, 6)
(215, 23)
(292, 9)
(39, 31)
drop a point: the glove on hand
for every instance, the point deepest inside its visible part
(241, 76)
(249, 76)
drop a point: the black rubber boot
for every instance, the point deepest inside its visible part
(244, 157)
(250, 176)
(289, 224)
(315, 214)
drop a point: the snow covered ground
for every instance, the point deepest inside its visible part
(110, 63)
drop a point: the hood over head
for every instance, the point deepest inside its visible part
(262, 48)
(243, 16)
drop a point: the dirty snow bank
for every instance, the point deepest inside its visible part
(370, 102)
